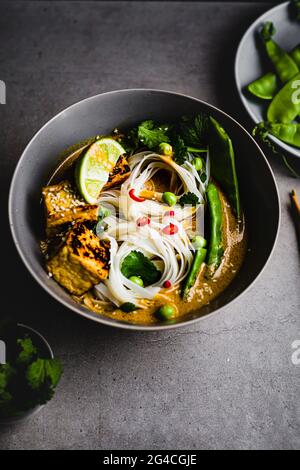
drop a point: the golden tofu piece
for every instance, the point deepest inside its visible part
(63, 205)
(82, 262)
(119, 174)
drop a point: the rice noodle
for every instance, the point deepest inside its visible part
(172, 254)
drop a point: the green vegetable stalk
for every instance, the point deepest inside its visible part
(215, 249)
(199, 259)
(222, 161)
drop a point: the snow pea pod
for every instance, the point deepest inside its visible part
(215, 249)
(288, 133)
(222, 162)
(283, 63)
(264, 87)
(285, 106)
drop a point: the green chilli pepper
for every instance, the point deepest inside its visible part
(264, 87)
(285, 106)
(288, 133)
(199, 259)
(283, 63)
(222, 161)
(215, 249)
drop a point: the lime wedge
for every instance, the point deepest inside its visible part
(92, 170)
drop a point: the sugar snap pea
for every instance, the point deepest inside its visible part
(283, 63)
(288, 133)
(264, 87)
(222, 161)
(215, 248)
(285, 106)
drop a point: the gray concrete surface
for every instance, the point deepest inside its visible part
(227, 382)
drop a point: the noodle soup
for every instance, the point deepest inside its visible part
(146, 226)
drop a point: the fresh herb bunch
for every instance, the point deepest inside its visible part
(189, 199)
(194, 130)
(137, 264)
(189, 135)
(27, 379)
(151, 135)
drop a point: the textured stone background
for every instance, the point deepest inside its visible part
(227, 382)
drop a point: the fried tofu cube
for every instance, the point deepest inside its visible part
(63, 205)
(119, 174)
(82, 262)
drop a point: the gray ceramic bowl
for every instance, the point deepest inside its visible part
(99, 115)
(251, 64)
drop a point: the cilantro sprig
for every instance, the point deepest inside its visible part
(137, 264)
(28, 379)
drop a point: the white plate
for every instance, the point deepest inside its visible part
(249, 63)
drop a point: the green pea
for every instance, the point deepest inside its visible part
(199, 242)
(197, 163)
(169, 198)
(166, 312)
(103, 212)
(166, 149)
(137, 280)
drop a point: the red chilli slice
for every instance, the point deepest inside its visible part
(134, 197)
(170, 229)
(167, 284)
(170, 214)
(142, 221)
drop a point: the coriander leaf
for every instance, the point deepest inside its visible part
(53, 371)
(180, 150)
(193, 130)
(136, 264)
(151, 135)
(44, 371)
(28, 351)
(189, 199)
(6, 373)
(130, 140)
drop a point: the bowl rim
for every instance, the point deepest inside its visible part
(106, 320)
(249, 31)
